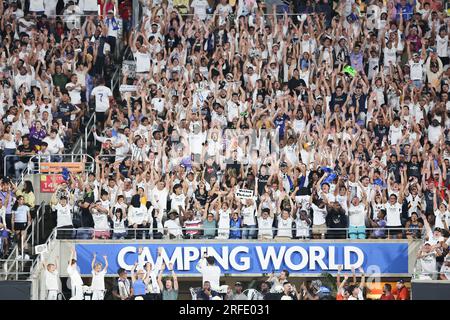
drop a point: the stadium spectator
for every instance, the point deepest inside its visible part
(387, 292)
(51, 280)
(402, 291)
(75, 279)
(98, 278)
(210, 271)
(169, 288)
(122, 289)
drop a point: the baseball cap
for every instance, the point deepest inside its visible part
(238, 284)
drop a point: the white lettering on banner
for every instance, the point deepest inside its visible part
(147, 255)
(270, 255)
(191, 254)
(314, 258)
(244, 193)
(176, 258)
(221, 259)
(121, 257)
(244, 260)
(347, 257)
(332, 259)
(288, 258)
(316, 255)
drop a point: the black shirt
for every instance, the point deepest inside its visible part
(262, 181)
(337, 102)
(414, 169)
(28, 149)
(380, 132)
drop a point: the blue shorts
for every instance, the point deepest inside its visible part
(357, 232)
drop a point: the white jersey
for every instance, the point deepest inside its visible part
(265, 227)
(357, 215)
(51, 280)
(284, 227)
(74, 275)
(98, 280)
(63, 215)
(393, 214)
(102, 95)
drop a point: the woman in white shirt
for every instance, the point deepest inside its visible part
(21, 219)
(120, 223)
(223, 221)
(285, 225)
(98, 278)
(138, 218)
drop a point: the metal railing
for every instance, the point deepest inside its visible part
(15, 263)
(199, 232)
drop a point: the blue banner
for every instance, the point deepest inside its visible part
(254, 257)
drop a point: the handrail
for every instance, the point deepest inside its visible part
(263, 232)
(15, 253)
(88, 131)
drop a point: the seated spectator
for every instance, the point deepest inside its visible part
(206, 293)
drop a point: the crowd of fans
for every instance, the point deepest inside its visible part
(239, 121)
(52, 56)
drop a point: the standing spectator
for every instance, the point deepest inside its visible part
(20, 220)
(169, 288)
(98, 278)
(210, 272)
(402, 291)
(102, 96)
(122, 290)
(51, 280)
(387, 292)
(75, 279)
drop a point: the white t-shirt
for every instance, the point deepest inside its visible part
(54, 145)
(393, 214)
(200, 7)
(102, 95)
(318, 215)
(173, 227)
(74, 275)
(75, 94)
(177, 200)
(248, 213)
(98, 280)
(100, 221)
(284, 227)
(37, 5)
(63, 215)
(51, 280)
(442, 46)
(357, 215)
(265, 227)
(416, 69)
(428, 264)
(209, 273)
(142, 61)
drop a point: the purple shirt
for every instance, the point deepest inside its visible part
(36, 137)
